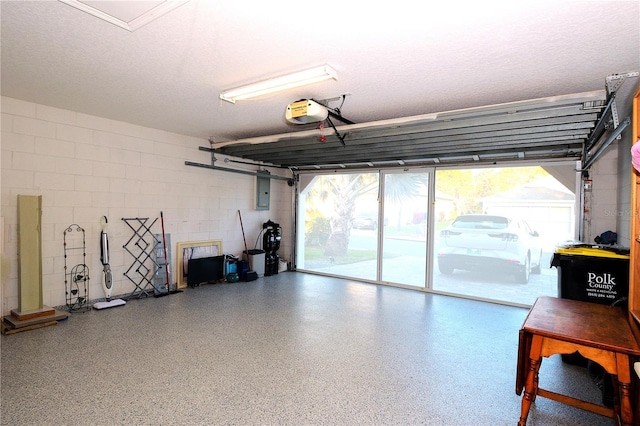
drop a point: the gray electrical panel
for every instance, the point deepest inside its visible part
(263, 191)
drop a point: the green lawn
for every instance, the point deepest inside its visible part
(353, 256)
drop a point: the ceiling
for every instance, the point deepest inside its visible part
(425, 82)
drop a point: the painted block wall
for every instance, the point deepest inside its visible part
(86, 167)
(611, 175)
(623, 212)
(604, 195)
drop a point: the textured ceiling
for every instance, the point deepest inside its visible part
(403, 58)
(129, 15)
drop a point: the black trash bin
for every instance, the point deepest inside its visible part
(596, 274)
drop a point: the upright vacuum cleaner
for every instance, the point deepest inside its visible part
(107, 281)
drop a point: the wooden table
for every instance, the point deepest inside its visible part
(600, 333)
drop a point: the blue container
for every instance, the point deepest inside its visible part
(232, 267)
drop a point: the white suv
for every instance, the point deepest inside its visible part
(481, 241)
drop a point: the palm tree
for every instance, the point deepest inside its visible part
(399, 187)
(342, 191)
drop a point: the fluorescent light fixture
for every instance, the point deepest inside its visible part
(302, 78)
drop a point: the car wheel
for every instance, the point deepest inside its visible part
(523, 274)
(445, 267)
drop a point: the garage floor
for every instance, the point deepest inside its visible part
(289, 349)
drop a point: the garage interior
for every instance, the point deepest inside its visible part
(114, 110)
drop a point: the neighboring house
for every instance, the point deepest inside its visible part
(445, 208)
(546, 205)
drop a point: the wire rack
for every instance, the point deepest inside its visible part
(76, 278)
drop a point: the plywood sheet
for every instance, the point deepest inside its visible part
(29, 252)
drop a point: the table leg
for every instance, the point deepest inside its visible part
(624, 389)
(531, 384)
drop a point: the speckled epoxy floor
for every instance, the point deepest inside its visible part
(292, 349)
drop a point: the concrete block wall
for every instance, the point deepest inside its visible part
(623, 212)
(604, 194)
(611, 176)
(86, 167)
(624, 101)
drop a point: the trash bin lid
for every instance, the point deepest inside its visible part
(595, 251)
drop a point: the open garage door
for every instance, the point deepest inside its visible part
(531, 130)
(486, 232)
(496, 237)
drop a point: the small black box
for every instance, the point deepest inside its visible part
(205, 270)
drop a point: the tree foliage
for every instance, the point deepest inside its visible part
(469, 185)
(337, 195)
(341, 191)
